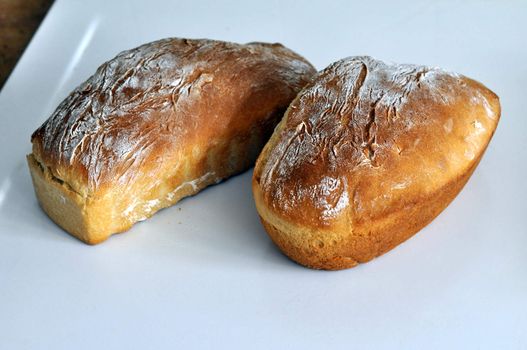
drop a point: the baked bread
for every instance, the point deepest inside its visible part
(367, 155)
(156, 124)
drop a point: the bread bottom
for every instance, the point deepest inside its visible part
(92, 220)
(328, 249)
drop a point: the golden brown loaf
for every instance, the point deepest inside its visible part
(158, 123)
(367, 155)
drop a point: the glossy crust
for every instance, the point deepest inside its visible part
(367, 155)
(158, 123)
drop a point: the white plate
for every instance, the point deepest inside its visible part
(204, 274)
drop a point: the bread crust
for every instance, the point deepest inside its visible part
(367, 155)
(158, 123)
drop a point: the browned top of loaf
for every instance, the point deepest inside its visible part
(150, 100)
(366, 138)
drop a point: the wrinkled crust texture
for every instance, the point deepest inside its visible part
(158, 123)
(367, 155)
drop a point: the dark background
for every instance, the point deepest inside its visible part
(19, 19)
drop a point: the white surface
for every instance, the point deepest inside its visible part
(204, 274)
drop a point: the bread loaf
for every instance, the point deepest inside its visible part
(156, 124)
(367, 155)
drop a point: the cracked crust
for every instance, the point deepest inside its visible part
(367, 155)
(158, 123)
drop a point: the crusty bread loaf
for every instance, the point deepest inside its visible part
(367, 155)
(158, 123)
